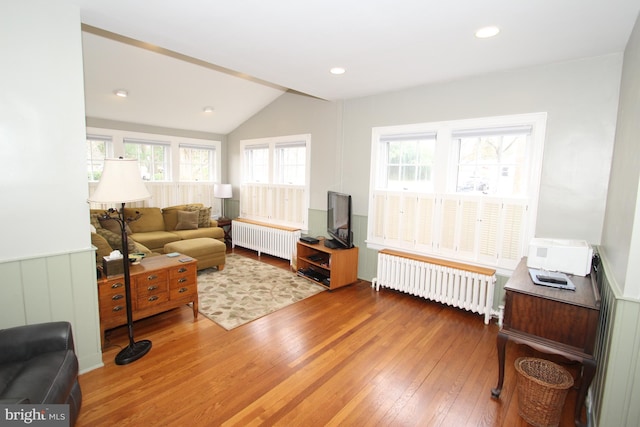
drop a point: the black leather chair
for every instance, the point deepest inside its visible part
(38, 365)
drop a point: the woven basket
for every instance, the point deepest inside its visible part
(542, 389)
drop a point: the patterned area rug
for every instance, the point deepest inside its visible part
(247, 289)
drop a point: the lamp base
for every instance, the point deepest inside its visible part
(131, 353)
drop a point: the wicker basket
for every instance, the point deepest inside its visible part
(542, 389)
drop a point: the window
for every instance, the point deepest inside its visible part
(290, 163)
(492, 161)
(153, 158)
(463, 190)
(197, 163)
(96, 153)
(406, 162)
(275, 180)
(256, 161)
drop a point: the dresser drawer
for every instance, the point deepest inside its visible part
(183, 270)
(150, 284)
(112, 299)
(152, 299)
(184, 291)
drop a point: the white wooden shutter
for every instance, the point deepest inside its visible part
(513, 227)
(468, 228)
(425, 222)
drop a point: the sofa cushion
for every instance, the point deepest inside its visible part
(103, 247)
(204, 217)
(56, 370)
(150, 219)
(211, 232)
(170, 214)
(187, 220)
(155, 240)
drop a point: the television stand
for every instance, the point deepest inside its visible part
(333, 244)
(326, 266)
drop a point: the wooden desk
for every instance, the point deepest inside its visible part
(552, 321)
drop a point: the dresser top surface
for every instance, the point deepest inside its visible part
(585, 294)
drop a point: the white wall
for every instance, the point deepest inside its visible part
(47, 266)
(580, 98)
(42, 167)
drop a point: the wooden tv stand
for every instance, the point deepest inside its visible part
(158, 284)
(338, 267)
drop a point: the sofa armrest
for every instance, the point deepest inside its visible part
(214, 223)
(24, 342)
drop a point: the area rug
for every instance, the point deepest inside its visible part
(246, 290)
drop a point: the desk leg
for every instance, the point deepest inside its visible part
(588, 371)
(501, 343)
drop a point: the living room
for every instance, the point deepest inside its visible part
(588, 186)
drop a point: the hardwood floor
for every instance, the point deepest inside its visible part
(353, 356)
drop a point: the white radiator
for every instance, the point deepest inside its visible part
(277, 241)
(450, 283)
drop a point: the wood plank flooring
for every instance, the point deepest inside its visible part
(353, 356)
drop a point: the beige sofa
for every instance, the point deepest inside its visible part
(157, 227)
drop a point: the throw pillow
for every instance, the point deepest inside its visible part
(115, 239)
(113, 226)
(187, 220)
(204, 215)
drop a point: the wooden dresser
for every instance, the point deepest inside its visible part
(551, 320)
(158, 284)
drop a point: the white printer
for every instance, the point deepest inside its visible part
(566, 256)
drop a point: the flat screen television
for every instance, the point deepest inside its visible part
(339, 221)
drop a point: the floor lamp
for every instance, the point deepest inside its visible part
(222, 191)
(121, 183)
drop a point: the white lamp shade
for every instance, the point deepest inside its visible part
(120, 183)
(222, 191)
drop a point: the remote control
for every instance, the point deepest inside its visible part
(549, 279)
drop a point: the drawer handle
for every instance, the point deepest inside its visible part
(152, 288)
(117, 297)
(181, 290)
(152, 277)
(182, 280)
(117, 285)
(182, 270)
(153, 298)
(118, 308)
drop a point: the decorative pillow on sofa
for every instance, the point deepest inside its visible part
(187, 220)
(204, 215)
(115, 239)
(113, 226)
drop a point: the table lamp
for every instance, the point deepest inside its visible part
(121, 183)
(222, 191)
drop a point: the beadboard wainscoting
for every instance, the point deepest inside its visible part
(52, 288)
(615, 388)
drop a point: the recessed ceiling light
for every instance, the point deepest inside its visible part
(486, 32)
(121, 93)
(337, 71)
(207, 110)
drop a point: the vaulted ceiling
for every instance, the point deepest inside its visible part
(237, 56)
